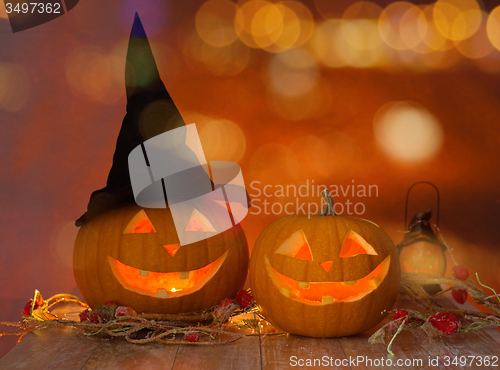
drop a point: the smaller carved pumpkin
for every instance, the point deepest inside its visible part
(326, 275)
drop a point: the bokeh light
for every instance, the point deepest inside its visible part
(62, 242)
(394, 21)
(293, 72)
(244, 21)
(92, 74)
(226, 61)
(433, 38)
(493, 27)
(268, 25)
(477, 46)
(273, 27)
(215, 22)
(325, 46)
(457, 19)
(331, 48)
(306, 21)
(360, 34)
(15, 87)
(221, 139)
(359, 25)
(407, 131)
(414, 28)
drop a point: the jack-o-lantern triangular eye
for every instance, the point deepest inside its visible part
(198, 222)
(296, 246)
(139, 224)
(354, 244)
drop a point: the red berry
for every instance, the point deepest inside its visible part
(226, 308)
(226, 302)
(192, 336)
(110, 303)
(460, 295)
(100, 315)
(27, 309)
(125, 311)
(84, 315)
(399, 314)
(446, 322)
(244, 299)
(460, 272)
(499, 328)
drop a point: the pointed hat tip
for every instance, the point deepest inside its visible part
(137, 28)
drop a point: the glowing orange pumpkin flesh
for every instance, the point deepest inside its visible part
(326, 265)
(354, 244)
(139, 224)
(172, 248)
(318, 293)
(304, 252)
(161, 284)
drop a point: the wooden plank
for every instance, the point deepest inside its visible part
(120, 355)
(457, 345)
(474, 343)
(290, 351)
(242, 354)
(408, 352)
(50, 349)
(491, 330)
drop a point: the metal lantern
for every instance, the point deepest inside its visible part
(421, 251)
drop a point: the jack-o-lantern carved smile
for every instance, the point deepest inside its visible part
(164, 284)
(321, 293)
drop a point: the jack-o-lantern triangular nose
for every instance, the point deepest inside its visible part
(326, 265)
(172, 248)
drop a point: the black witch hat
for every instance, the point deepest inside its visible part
(150, 112)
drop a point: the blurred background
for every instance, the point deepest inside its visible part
(336, 93)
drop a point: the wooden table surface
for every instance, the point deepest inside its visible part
(62, 349)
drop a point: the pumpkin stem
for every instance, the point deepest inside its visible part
(328, 209)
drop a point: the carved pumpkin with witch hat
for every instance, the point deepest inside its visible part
(132, 254)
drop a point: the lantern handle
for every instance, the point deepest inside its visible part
(408, 197)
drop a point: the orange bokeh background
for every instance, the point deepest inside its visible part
(297, 93)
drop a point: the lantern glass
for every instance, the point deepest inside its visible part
(424, 257)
